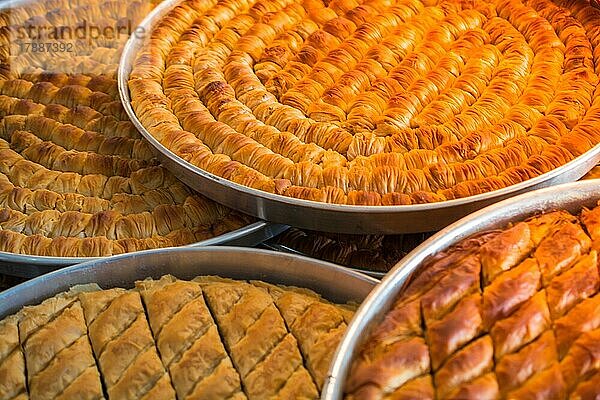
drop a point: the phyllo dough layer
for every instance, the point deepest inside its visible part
(210, 338)
(189, 341)
(12, 362)
(508, 314)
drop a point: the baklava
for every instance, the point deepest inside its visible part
(373, 102)
(76, 178)
(210, 338)
(377, 253)
(507, 314)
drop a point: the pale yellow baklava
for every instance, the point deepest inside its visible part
(210, 338)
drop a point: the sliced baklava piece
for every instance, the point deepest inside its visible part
(188, 340)
(518, 318)
(264, 352)
(318, 326)
(12, 362)
(124, 346)
(59, 359)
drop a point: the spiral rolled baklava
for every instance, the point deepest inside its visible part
(76, 178)
(210, 338)
(373, 102)
(506, 314)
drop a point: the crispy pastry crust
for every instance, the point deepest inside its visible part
(369, 252)
(188, 340)
(374, 103)
(124, 347)
(317, 326)
(508, 314)
(256, 337)
(12, 361)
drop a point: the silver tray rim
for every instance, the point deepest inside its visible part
(333, 282)
(320, 216)
(571, 196)
(264, 231)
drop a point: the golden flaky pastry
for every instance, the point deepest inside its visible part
(76, 178)
(206, 339)
(507, 314)
(376, 102)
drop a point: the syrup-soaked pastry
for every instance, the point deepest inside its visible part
(188, 340)
(76, 178)
(318, 326)
(509, 314)
(124, 347)
(258, 340)
(209, 338)
(594, 173)
(373, 102)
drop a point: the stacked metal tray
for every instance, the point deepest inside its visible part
(26, 266)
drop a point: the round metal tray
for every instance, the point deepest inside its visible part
(26, 266)
(571, 197)
(334, 283)
(323, 216)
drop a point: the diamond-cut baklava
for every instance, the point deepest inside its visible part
(373, 102)
(507, 314)
(76, 178)
(210, 338)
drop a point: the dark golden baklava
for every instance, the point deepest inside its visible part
(377, 253)
(506, 314)
(372, 102)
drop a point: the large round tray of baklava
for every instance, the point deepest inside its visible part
(77, 180)
(160, 324)
(368, 117)
(501, 304)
